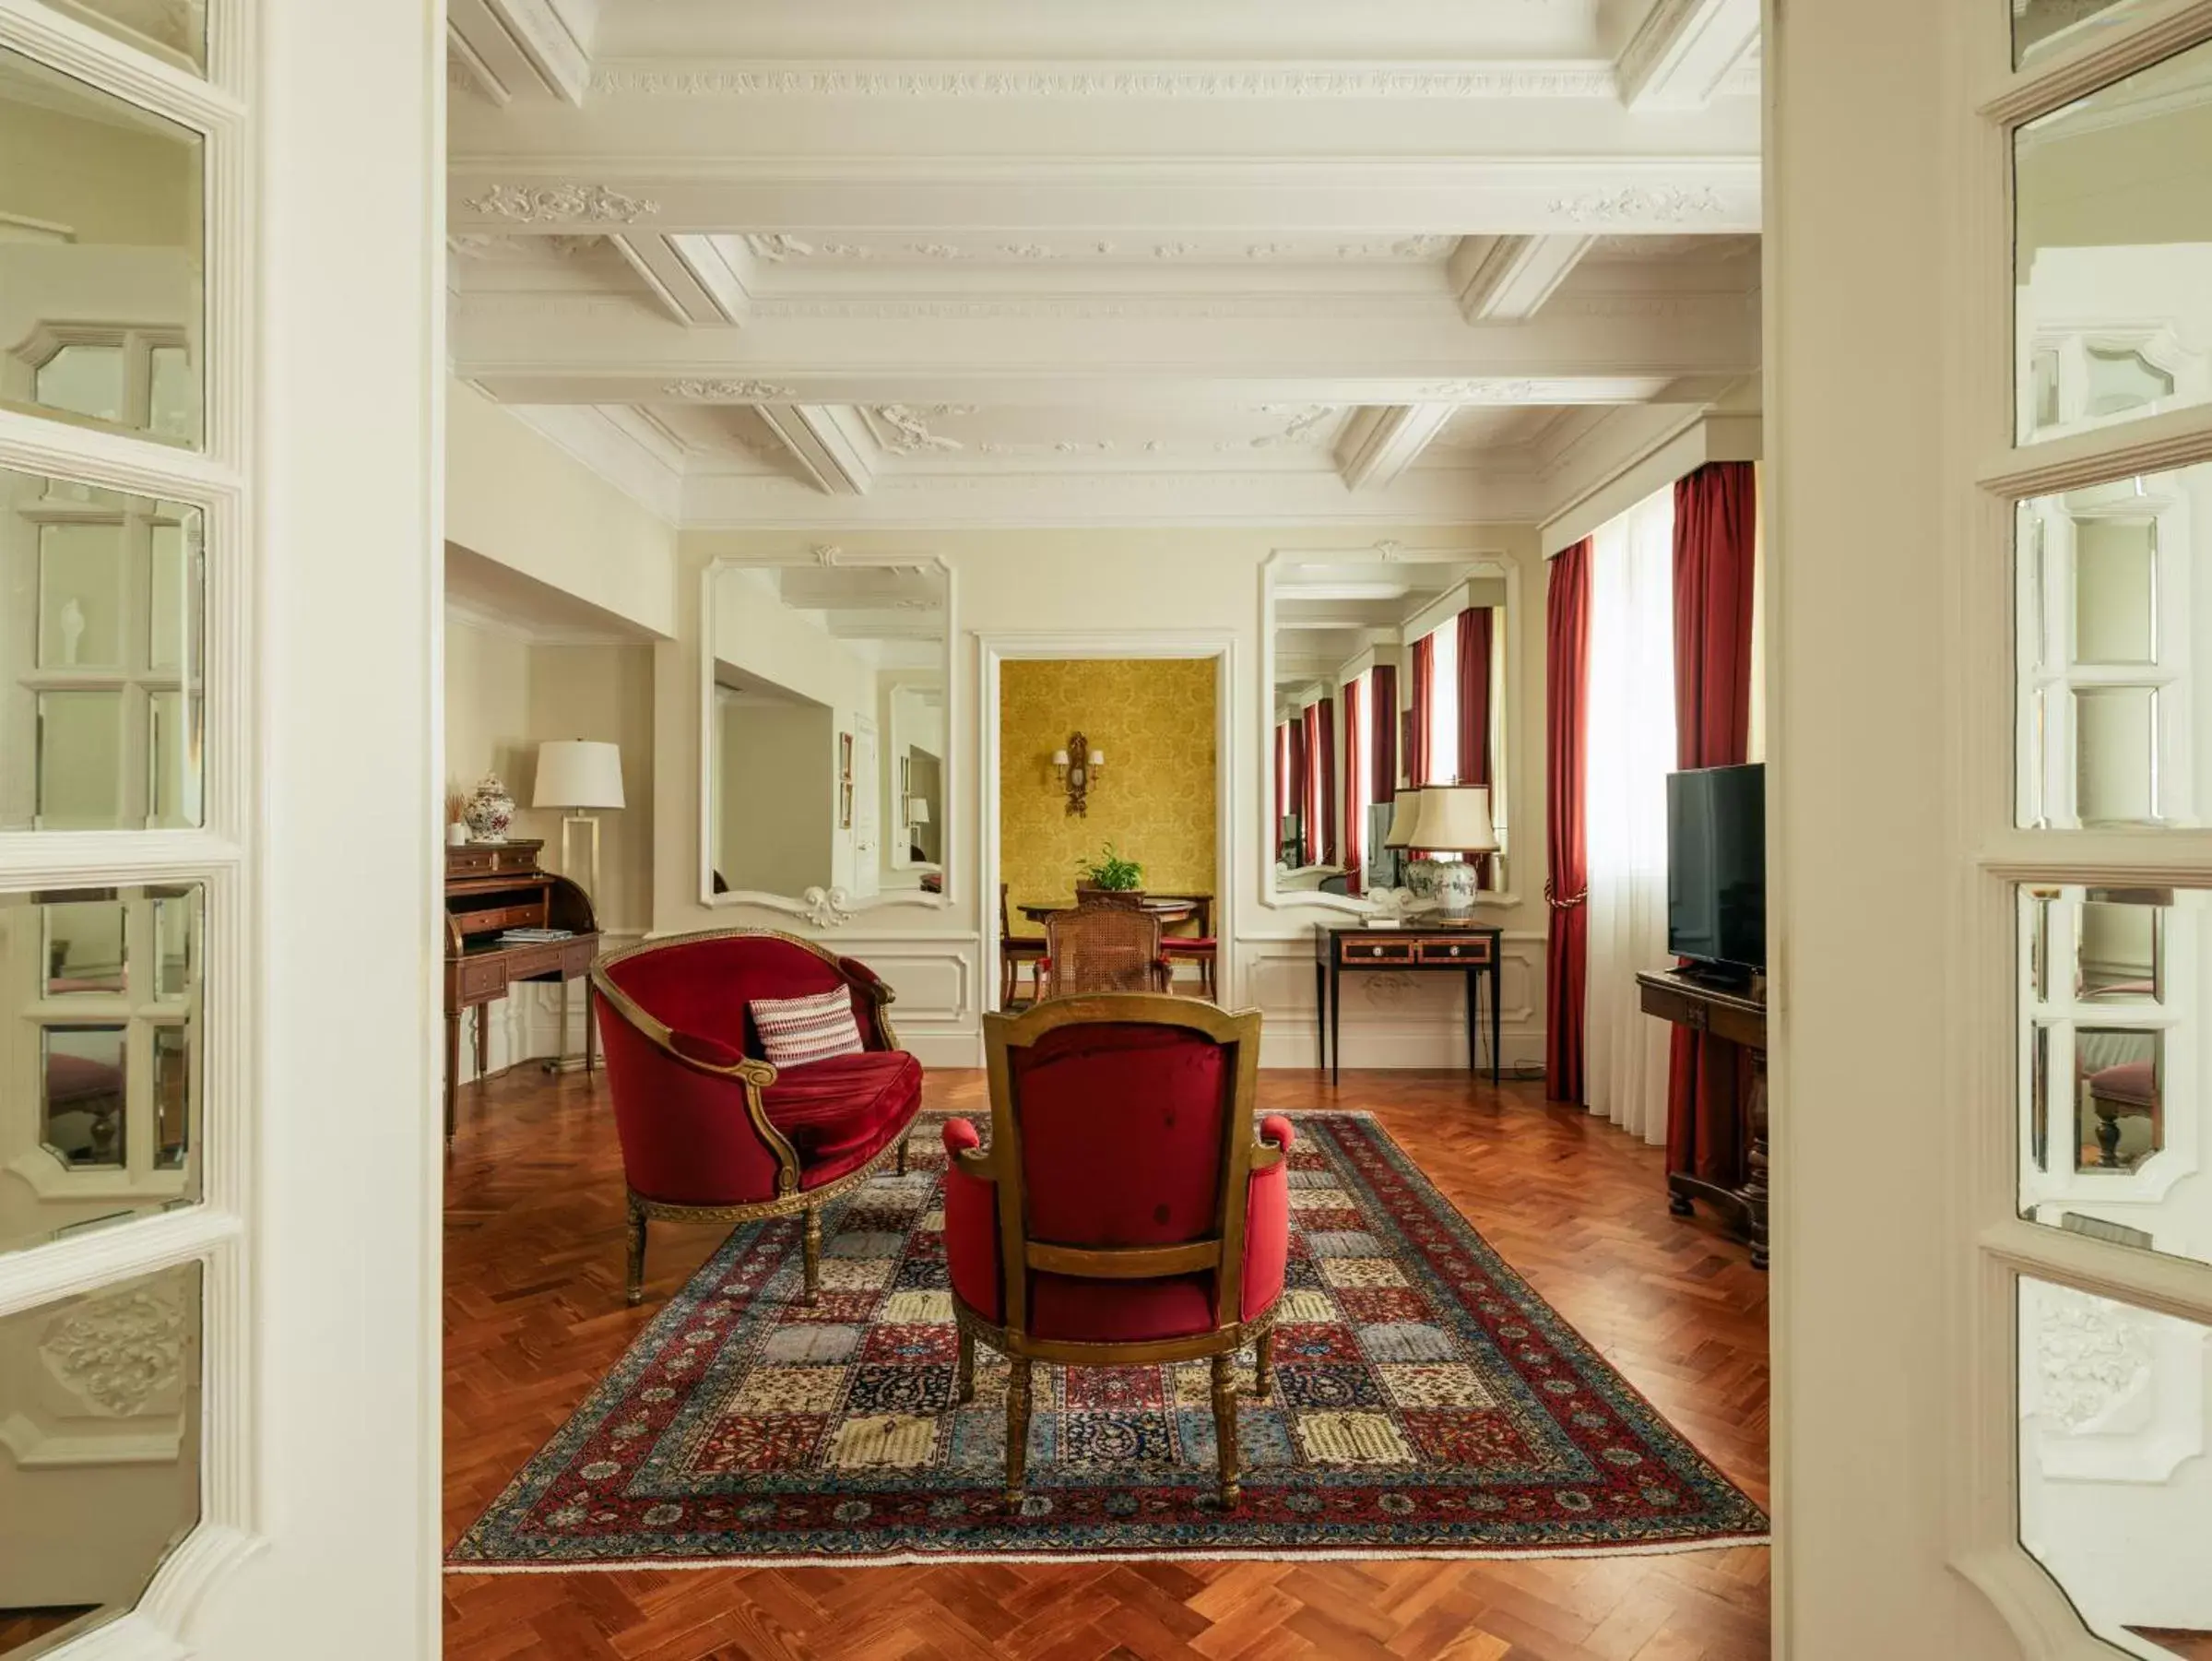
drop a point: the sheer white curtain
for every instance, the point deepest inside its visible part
(1631, 753)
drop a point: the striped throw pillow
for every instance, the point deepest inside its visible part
(795, 1031)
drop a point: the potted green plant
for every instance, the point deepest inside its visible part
(1110, 873)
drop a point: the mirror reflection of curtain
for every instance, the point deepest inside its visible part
(1631, 751)
(1356, 784)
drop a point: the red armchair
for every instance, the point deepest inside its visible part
(710, 1130)
(1124, 1215)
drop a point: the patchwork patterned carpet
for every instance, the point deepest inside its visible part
(1429, 1404)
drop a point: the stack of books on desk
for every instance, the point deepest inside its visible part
(534, 937)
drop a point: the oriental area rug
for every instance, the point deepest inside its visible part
(1428, 1404)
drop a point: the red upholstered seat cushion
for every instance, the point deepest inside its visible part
(78, 1078)
(1175, 943)
(842, 1112)
(1077, 1310)
(2133, 1083)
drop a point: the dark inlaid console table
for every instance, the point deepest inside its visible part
(1467, 949)
(1738, 1019)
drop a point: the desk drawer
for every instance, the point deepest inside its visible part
(1364, 950)
(1474, 950)
(482, 979)
(523, 962)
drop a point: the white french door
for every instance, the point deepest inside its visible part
(1990, 432)
(220, 495)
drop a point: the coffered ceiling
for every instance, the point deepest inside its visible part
(1032, 261)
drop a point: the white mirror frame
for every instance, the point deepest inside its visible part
(1481, 562)
(824, 907)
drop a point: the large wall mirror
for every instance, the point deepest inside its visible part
(825, 772)
(1388, 675)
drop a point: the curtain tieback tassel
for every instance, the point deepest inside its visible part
(1552, 899)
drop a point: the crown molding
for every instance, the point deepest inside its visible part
(1567, 77)
(611, 448)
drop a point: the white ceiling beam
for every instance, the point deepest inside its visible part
(692, 278)
(1681, 55)
(1507, 278)
(526, 49)
(832, 445)
(1380, 444)
(1602, 348)
(1254, 199)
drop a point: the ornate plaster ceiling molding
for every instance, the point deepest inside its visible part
(905, 429)
(1481, 391)
(534, 204)
(1642, 205)
(729, 392)
(1564, 78)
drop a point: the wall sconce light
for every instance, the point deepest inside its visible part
(1077, 764)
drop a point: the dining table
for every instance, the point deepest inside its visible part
(1167, 908)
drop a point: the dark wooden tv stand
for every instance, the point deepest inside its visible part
(1738, 1019)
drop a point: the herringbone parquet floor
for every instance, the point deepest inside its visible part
(535, 1315)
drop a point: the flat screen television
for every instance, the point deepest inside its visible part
(1717, 869)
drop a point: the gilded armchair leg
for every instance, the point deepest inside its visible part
(813, 1255)
(1264, 1381)
(967, 1365)
(636, 1284)
(1017, 1426)
(1225, 1426)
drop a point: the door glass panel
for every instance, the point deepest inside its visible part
(2116, 755)
(2043, 28)
(101, 265)
(80, 760)
(99, 1452)
(84, 1073)
(100, 703)
(87, 947)
(2114, 619)
(83, 380)
(81, 596)
(2113, 251)
(2116, 1481)
(2116, 1103)
(2115, 592)
(100, 1091)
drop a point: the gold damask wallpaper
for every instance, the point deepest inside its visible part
(1153, 717)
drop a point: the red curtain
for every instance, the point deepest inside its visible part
(1355, 817)
(1281, 780)
(1716, 513)
(1384, 751)
(1567, 749)
(1310, 785)
(1324, 746)
(1474, 695)
(1424, 703)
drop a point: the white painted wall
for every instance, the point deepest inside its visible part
(1073, 581)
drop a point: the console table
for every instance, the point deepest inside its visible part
(493, 886)
(1467, 949)
(1739, 1021)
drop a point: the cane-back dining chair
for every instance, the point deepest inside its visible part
(1125, 1215)
(1014, 950)
(1110, 947)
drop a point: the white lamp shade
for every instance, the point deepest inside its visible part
(1098, 758)
(578, 772)
(917, 810)
(1454, 818)
(1407, 808)
(1060, 758)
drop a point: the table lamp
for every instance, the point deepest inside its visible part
(579, 774)
(1452, 818)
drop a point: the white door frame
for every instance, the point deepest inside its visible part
(322, 481)
(994, 648)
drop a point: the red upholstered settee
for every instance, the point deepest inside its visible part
(710, 1130)
(1124, 1215)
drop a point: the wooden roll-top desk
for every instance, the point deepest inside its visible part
(490, 888)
